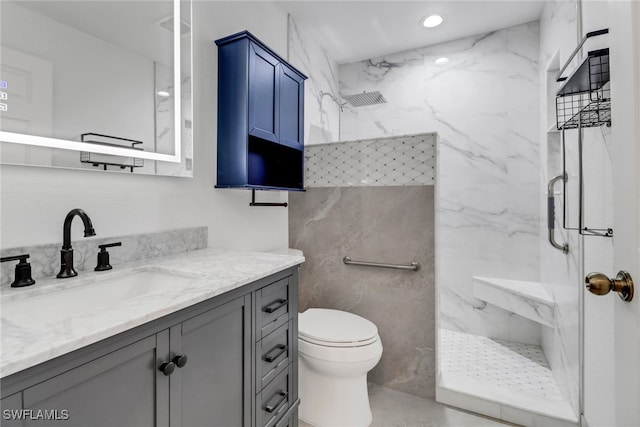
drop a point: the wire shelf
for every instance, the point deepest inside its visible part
(585, 98)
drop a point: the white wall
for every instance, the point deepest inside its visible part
(36, 200)
(321, 112)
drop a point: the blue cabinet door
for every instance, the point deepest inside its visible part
(264, 93)
(291, 109)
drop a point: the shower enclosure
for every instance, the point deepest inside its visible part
(488, 323)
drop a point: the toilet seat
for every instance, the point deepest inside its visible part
(335, 328)
(338, 344)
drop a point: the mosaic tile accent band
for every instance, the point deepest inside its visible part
(380, 162)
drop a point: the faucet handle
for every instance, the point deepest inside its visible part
(103, 256)
(109, 245)
(23, 271)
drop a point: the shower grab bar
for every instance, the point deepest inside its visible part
(414, 266)
(551, 213)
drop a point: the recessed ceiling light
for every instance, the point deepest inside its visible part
(441, 61)
(163, 93)
(432, 21)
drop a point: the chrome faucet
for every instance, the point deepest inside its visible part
(66, 253)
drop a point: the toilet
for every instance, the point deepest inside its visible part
(336, 349)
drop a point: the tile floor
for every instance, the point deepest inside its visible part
(392, 408)
(504, 380)
(521, 368)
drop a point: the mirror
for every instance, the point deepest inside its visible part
(95, 85)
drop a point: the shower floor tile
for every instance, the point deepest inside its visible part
(513, 380)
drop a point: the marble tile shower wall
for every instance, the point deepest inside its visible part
(45, 259)
(383, 224)
(402, 160)
(484, 106)
(558, 272)
(321, 108)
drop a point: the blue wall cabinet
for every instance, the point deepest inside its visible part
(260, 117)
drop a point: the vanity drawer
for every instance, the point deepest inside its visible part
(291, 419)
(272, 307)
(274, 400)
(274, 354)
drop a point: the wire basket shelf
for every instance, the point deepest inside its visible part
(585, 99)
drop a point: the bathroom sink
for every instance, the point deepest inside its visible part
(88, 298)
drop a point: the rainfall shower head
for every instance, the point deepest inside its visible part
(365, 98)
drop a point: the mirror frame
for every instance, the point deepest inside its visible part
(64, 144)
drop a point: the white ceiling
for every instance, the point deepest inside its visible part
(362, 29)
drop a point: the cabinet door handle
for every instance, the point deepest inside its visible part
(282, 397)
(180, 360)
(279, 349)
(167, 368)
(270, 308)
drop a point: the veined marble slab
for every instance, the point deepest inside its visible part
(45, 259)
(527, 299)
(213, 271)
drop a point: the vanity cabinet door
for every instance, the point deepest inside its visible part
(121, 388)
(213, 388)
(11, 406)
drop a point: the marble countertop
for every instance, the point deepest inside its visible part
(211, 272)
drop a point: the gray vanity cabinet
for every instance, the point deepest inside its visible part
(214, 383)
(124, 380)
(116, 389)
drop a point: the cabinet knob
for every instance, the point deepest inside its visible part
(167, 368)
(180, 360)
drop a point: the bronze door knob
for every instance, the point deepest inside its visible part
(600, 284)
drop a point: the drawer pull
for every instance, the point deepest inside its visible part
(270, 308)
(279, 349)
(283, 396)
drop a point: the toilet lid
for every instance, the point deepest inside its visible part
(321, 325)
